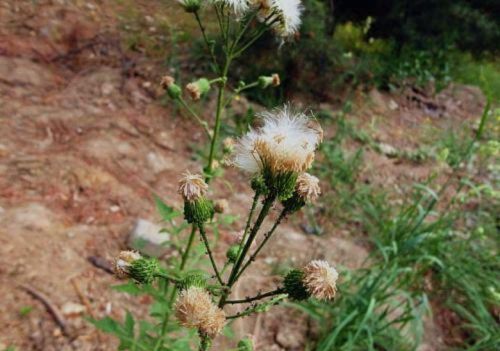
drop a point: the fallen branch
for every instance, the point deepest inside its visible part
(51, 308)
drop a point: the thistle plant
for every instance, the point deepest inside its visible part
(276, 157)
(240, 24)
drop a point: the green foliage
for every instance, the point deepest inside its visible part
(425, 248)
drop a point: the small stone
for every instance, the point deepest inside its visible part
(72, 309)
(114, 209)
(107, 89)
(393, 105)
(56, 333)
(158, 163)
(289, 339)
(388, 150)
(270, 260)
(147, 239)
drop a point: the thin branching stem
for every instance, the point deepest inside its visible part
(197, 118)
(209, 252)
(267, 236)
(256, 297)
(249, 221)
(207, 42)
(171, 298)
(268, 202)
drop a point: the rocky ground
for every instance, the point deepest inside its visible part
(85, 142)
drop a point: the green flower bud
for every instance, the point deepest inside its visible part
(232, 253)
(198, 211)
(245, 344)
(193, 279)
(173, 90)
(198, 88)
(266, 81)
(143, 270)
(294, 286)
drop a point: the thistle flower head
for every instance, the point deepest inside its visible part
(124, 261)
(307, 187)
(320, 279)
(194, 309)
(221, 206)
(198, 88)
(238, 6)
(167, 81)
(130, 264)
(283, 15)
(280, 150)
(190, 5)
(228, 145)
(272, 80)
(173, 90)
(284, 143)
(192, 186)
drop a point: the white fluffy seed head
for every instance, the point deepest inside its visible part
(284, 16)
(192, 186)
(285, 143)
(239, 7)
(320, 279)
(307, 187)
(194, 309)
(124, 261)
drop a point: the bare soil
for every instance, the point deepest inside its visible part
(85, 142)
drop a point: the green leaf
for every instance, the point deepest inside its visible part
(166, 212)
(129, 288)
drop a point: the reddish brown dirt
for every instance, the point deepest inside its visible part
(84, 143)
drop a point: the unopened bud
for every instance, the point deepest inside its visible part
(221, 205)
(232, 253)
(266, 81)
(173, 90)
(198, 88)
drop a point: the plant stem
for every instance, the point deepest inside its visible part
(207, 42)
(201, 122)
(218, 115)
(168, 277)
(209, 252)
(185, 255)
(247, 226)
(267, 236)
(184, 258)
(268, 202)
(257, 297)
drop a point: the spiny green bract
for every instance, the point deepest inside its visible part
(232, 253)
(192, 280)
(294, 286)
(294, 203)
(143, 270)
(281, 184)
(198, 211)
